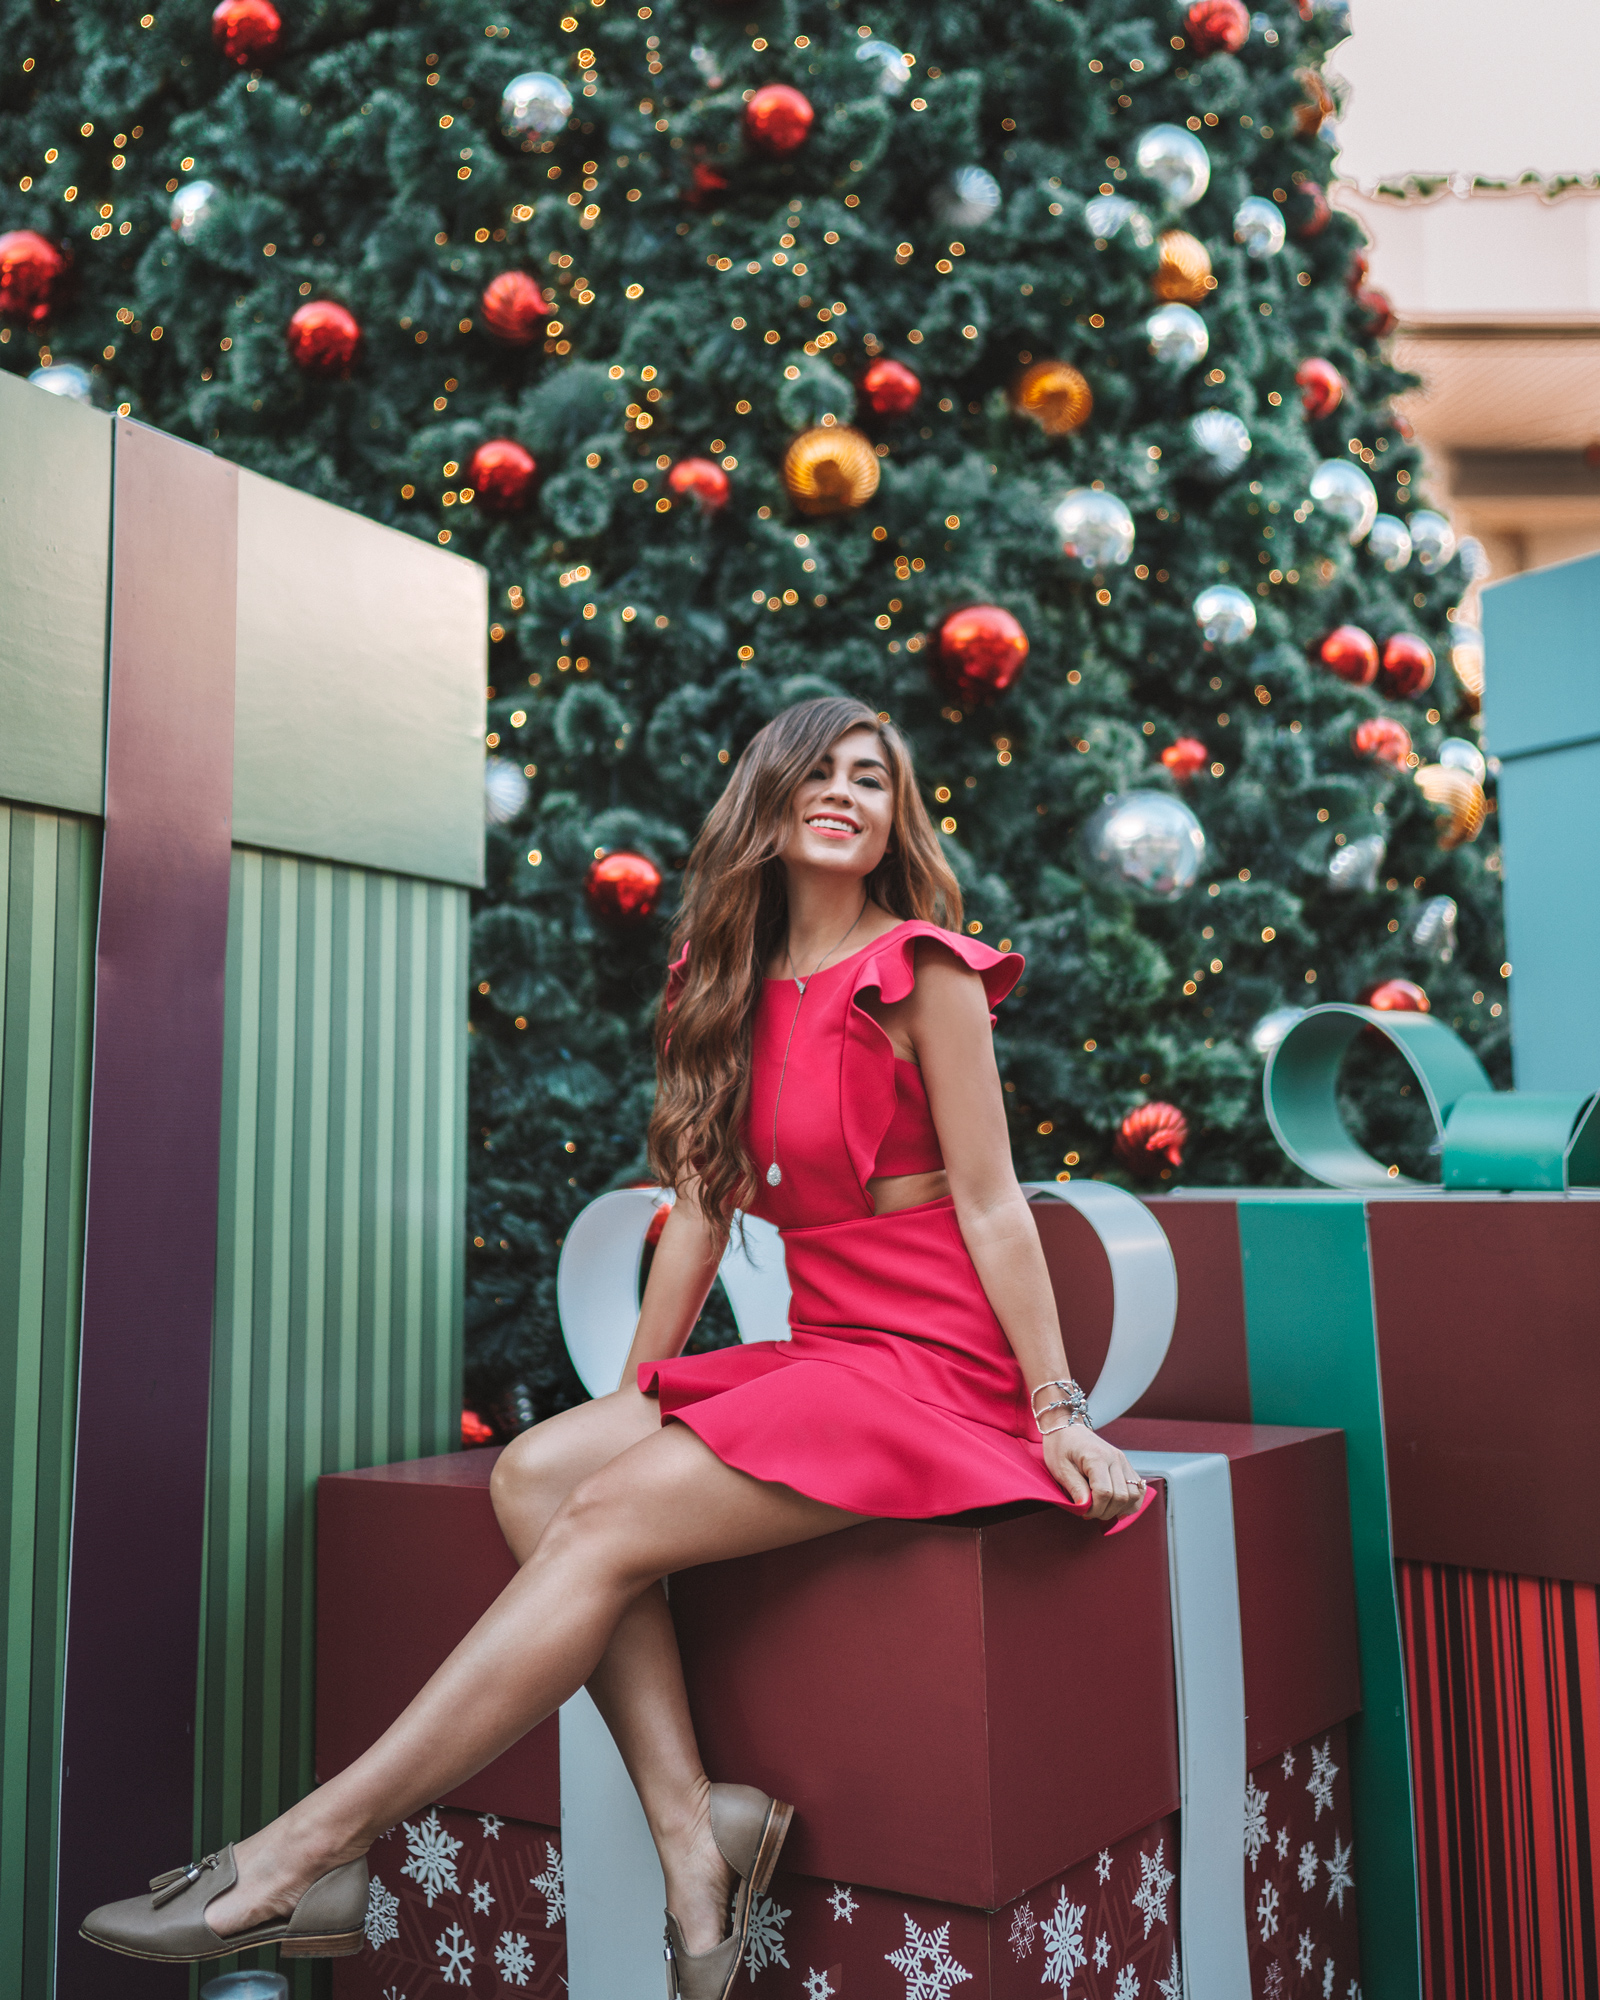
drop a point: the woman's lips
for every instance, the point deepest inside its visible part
(833, 826)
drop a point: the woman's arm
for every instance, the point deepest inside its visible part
(682, 1271)
(948, 1022)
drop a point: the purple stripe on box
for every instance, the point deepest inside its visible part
(133, 1613)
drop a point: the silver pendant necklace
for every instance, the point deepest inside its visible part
(775, 1172)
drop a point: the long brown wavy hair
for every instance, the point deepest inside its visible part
(735, 914)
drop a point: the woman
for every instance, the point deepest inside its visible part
(825, 1062)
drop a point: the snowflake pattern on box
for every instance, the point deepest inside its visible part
(1063, 1942)
(1302, 1930)
(764, 1946)
(1255, 1819)
(1155, 1885)
(1127, 1986)
(380, 1925)
(925, 1963)
(1323, 1772)
(552, 1885)
(456, 1953)
(430, 1856)
(818, 1986)
(842, 1904)
(468, 1913)
(1024, 1929)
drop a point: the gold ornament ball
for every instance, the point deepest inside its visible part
(1457, 798)
(1054, 394)
(1184, 273)
(830, 469)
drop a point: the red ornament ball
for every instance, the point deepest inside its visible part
(705, 185)
(1211, 25)
(1185, 757)
(514, 309)
(623, 887)
(1309, 208)
(503, 474)
(1395, 996)
(700, 479)
(1321, 387)
(246, 30)
(1351, 654)
(1407, 666)
(1379, 316)
(980, 650)
(890, 387)
(1356, 277)
(1151, 1134)
(31, 273)
(323, 338)
(474, 1430)
(778, 119)
(1380, 736)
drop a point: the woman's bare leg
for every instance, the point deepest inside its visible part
(664, 1504)
(638, 1684)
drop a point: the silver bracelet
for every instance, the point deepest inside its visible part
(1072, 1400)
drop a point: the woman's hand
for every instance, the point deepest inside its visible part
(1082, 1463)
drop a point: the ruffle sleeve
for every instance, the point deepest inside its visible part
(867, 1094)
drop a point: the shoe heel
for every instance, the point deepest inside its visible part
(343, 1944)
(773, 1835)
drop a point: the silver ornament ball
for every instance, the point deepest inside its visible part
(1434, 932)
(1222, 439)
(1475, 564)
(1270, 1030)
(534, 106)
(1432, 537)
(1225, 614)
(1458, 753)
(968, 198)
(1109, 214)
(1178, 335)
(64, 378)
(1390, 542)
(505, 790)
(1344, 491)
(1096, 529)
(190, 209)
(1176, 161)
(1356, 864)
(1145, 844)
(1258, 226)
(893, 71)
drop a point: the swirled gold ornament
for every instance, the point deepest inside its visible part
(830, 469)
(1457, 797)
(1184, 272)
(1054, 394)
(1466, 657)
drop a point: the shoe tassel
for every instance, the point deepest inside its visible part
(165, 1888)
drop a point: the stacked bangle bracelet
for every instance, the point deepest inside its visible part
(1072, 1400)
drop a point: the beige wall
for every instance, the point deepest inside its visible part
(1498, 291)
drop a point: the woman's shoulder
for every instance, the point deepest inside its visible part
(889, 963)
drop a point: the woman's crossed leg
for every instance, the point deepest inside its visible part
(598, 1504)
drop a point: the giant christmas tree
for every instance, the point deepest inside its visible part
(643, 254)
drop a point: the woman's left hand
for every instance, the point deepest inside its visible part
(1083, 1464)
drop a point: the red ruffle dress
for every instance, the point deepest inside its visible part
(897, 1394)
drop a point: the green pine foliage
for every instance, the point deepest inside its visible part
(638, 641)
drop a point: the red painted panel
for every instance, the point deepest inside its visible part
(1206, 1375)
(912, 1688)
(384, 1625)
(1489, 1341)
(1297, 1606)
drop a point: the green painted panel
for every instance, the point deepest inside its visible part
(49, 871)
(1541, 644)
(359, 713)
(1313, 1348)
(55, 552)
(339, 1272)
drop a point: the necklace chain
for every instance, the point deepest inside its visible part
(775, 1172)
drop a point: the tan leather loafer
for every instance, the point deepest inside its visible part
(169, 1925)
(749, 1829)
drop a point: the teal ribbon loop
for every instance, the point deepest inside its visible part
(1516, 1139)
(1301, 1088)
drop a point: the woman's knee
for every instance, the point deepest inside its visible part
(594, 1528)
(527, 1479)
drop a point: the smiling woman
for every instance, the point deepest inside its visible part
(826, 1064)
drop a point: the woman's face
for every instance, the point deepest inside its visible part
(843, 811)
